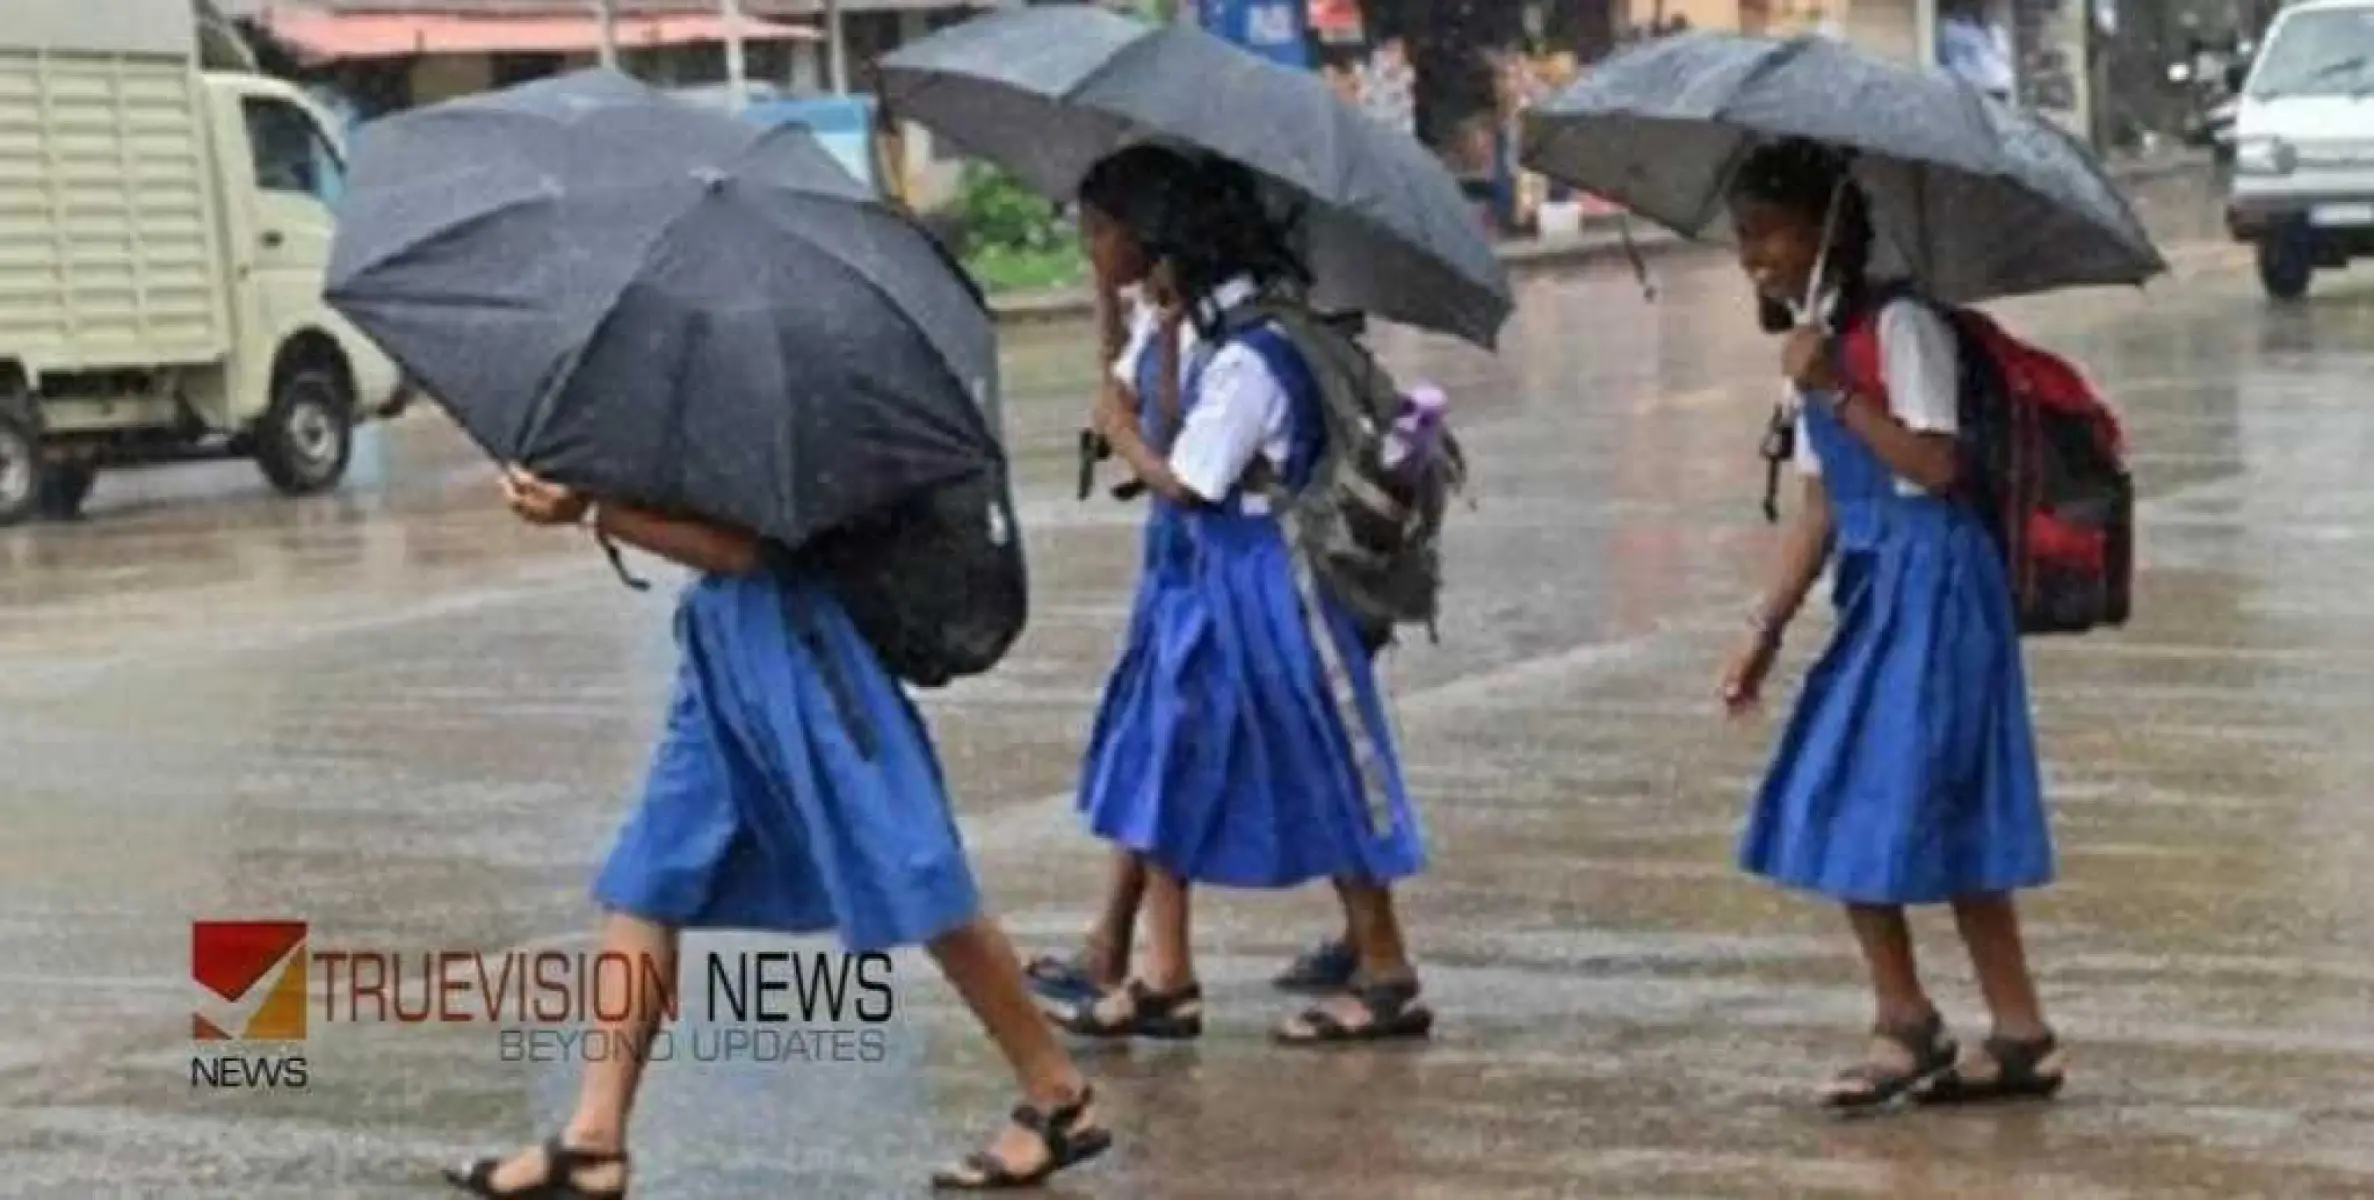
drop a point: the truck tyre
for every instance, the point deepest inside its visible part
(2285, 265)
(64, 487)
(20, 469)
(306, 438)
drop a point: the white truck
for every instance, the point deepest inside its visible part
(164, 230)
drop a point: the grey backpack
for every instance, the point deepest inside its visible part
(1371, 537)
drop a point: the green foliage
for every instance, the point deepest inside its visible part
(1012, 239)
(996, 211)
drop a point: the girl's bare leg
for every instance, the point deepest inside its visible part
(980, 963)
(614, 1070)
(1374, 929)
(1383, 994)
(1991, 929)
(1908, 1044)
(1170, 955)
(1886, 939)
(2022, 1059)
(1113, 939)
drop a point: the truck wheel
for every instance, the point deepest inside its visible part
(64, 487)
(305, 440)
(2285, 265)
(20, 470)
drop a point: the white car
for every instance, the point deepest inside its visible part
(2303, 189)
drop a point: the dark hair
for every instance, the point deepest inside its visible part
(1203, 215)
(1138, 186)
(1808, 178)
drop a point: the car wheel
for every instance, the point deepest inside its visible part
(2285, 265)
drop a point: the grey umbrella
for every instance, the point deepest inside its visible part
(1046, 92)
(646, 300)
(1976, 199)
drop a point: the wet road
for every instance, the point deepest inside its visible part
(398, 716)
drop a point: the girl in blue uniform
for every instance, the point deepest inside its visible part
(1130, 323)
(1219, 754)
(1908, 773)
(796, 790)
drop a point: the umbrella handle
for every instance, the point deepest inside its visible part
(1821, 263)
(1092, 450)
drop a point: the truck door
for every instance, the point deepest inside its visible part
(299, 180)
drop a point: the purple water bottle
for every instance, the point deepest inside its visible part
(1411, 444)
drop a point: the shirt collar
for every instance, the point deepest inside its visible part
(1219, 300)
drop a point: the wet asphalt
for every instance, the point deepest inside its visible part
(401, 717)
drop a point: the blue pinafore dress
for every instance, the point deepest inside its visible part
(1220, 750)
(1907, 774)
(796, 788)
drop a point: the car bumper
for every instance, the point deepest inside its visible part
(2339, 204)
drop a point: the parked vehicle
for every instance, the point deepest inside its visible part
(2303, 190)
(164, 232)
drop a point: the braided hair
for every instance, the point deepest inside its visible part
(1811, 179)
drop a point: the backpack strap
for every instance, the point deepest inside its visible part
(1286, 335)
(1855, 348)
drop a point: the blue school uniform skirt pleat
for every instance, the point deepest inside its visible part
(763, 810)
(1908, 772)
(1218, 750)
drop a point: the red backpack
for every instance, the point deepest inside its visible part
(2044, 459)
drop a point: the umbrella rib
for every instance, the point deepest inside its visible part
(832, 253)
(532, 422)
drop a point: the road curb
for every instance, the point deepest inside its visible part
(1601, 241)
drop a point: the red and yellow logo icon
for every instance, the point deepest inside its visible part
(253, 973)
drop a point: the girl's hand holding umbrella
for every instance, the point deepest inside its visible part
(1806, 361)
(538, 502)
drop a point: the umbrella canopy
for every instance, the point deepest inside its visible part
(654, 302)
(1046, 92)
(1976, 200)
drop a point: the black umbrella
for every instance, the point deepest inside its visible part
(1046, 92)
(1976, 199)
(654, 302)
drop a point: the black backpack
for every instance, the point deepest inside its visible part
(938, 584)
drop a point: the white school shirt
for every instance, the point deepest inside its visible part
(1239, 410)
(1923, 372)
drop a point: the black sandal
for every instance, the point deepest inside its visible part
(561, 1166)
(1394, 1014)
(1868, 1085)
(1067, 1144)
(1162, 1017)
(1326, 968)
(2020, 1074)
